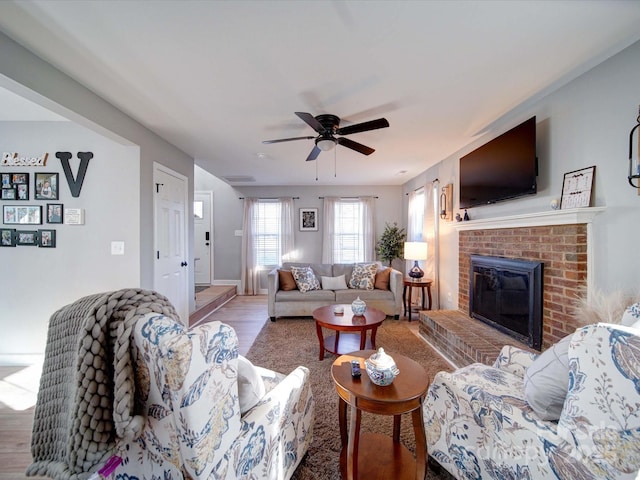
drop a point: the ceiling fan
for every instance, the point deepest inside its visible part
(327, 127)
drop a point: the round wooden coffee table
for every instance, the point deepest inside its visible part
(355, 326)
(373, 455)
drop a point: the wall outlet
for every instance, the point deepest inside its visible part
(117, 248)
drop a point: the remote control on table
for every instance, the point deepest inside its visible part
(355, 368)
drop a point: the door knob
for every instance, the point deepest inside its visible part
(183, 264)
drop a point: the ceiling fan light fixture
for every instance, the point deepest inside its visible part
(326, 144)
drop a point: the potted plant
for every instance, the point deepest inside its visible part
(391, 243)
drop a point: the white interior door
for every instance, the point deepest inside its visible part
(203, 237)
(171, 268)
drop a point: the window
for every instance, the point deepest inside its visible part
(348, 236)
(348, 246)
(267, 233)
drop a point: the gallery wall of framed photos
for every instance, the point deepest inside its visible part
(30, 199)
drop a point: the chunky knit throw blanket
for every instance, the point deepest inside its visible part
(86, 399)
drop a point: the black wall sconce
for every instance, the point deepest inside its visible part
(634, 174)
(446, 202)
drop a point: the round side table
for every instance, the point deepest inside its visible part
(410, 283)
(373, 455)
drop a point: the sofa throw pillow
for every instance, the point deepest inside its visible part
(334, 283)
(250, 385)
(286, 280)
(382, 279)
(305, 279)
(363, 276)
(546, 381)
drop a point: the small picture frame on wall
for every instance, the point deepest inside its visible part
(55, 213)
(308, 219)
(47, 238)
(7, 237)
(577, 187)
(46, 186)
(26, 237)
(9, 194)
(16, 215)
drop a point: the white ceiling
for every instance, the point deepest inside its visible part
(215, 78)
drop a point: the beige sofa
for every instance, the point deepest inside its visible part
(294, 303)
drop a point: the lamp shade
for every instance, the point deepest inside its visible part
(415, 250)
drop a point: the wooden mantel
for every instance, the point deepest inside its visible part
(552, 217)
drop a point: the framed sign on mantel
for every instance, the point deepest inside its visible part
(576, 188)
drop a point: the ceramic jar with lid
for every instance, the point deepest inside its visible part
(358, 307)
(381, 368)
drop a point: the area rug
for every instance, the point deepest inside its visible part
(287, 343)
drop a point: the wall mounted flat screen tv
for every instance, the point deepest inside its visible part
(502, 169)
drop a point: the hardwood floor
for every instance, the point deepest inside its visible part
(19, 385)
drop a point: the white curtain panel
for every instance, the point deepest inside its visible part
(250, 278)
(368, 228)
(287, 247)
(328, 229)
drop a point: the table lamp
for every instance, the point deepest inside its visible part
(415, 251)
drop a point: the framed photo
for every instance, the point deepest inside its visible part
(55, 212)
(47, 238)
(19, 178)
(23, 191)
(6, 180)
(28, 215)
(576, 188)
(7, 237)
(9, 194)
(46, 186)
(26, 237)
(308, 219)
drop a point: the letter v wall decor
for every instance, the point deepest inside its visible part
(75, 184)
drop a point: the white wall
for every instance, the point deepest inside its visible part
(584, 123)
(29, 76)
(228, 216)
(37, 281)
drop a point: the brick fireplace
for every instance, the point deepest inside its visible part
(561, 240)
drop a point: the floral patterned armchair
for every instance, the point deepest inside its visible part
(480, 425)
(187, 388)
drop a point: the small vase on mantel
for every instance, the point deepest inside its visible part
(358, 307)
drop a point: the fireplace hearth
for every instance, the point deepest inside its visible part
(507, 295)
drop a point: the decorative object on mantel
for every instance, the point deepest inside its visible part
(466, 216)
(458, 217)
(446, 202)
(576, 188)
(555, 204)
(358, 307)
(634, 174)
(415, 251)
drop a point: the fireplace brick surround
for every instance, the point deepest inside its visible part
(562, 247)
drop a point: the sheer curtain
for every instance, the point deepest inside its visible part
(250, 277)
(368, 228)
(328, 229)
(423, 227)
(287, 248)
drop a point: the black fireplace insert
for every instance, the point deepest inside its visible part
(507, 294)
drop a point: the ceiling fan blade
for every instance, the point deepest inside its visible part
(363, 127)
(358, 147)
(314, 153)
(311, 121)
(287, 139)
